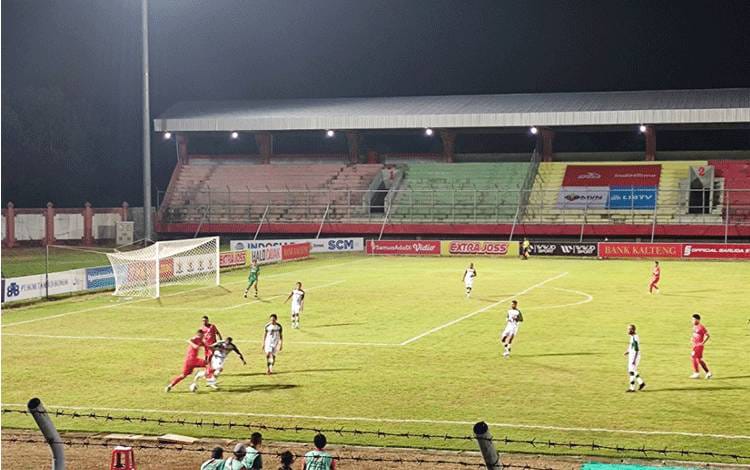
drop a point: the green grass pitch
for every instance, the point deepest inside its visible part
(393, 344)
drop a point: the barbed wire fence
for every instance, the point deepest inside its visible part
(535, 444)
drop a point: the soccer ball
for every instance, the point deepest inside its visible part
(193, 387)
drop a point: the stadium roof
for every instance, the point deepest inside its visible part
(716, 106)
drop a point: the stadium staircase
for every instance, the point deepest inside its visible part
(459, 192)
(671, 203)
(235, 192)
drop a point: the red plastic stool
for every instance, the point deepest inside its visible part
(122, 459)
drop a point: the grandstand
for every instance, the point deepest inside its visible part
(464, 192)
(228, 190)
(409, 192)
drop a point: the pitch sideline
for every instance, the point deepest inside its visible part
(394, 420)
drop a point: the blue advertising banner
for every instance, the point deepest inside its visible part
(100, 278)
(621, 197)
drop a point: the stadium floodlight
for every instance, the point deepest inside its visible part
(167, 135)
(428, 131)
(330, 133)
(534, 130)
(642, 128)
(234, 135)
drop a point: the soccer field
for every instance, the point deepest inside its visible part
(392, 344)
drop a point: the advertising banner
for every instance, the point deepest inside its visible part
(612, 175)
(404, 247)
(267, 255)
(100, 277)
(592, 197)
(716, 251)
(474, 247)
(232, 258)
(190, 264)
(639, 198)
(563, 249)
(318, 245)
(295, 251)
(640, 250)
(34, 287)
(166, 268)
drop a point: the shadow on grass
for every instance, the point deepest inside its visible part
(288, 372)
(330, 325)
(255, 388)
(561, 354)
(734, 377)
(693, 389)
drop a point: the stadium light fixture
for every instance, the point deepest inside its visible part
(534, 130)
(234, 135)
(167, 135)
(330, 133)
(642, 128)
(428, 132)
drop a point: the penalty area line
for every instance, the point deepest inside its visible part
(483, 309)
(180, 340)
(391, 420)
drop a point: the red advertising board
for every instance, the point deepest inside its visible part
(612, 175)
(716, 251)
(295, 251)
(403, 247)
(640, 250)
(232, 258)
(477, 248)
(166, 268)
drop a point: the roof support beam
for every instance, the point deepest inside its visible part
(448, 136)
(650, 143)
(353, 139)
(264, 140)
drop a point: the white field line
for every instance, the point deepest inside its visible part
(391, 420)
(588, 299)
(104, 307)
(182, 340)
(483, 309)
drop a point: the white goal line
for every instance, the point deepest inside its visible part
(394, 420)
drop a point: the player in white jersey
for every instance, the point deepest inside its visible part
(634, 358)
(469, 276)
(515, 317)
(221, 350)
(298, 302)
(273, 338)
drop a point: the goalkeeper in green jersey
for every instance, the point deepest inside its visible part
(252, 279)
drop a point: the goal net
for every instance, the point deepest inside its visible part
(142, 273)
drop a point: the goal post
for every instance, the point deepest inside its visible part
(142, 273)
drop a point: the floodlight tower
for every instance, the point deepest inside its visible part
(147, 223)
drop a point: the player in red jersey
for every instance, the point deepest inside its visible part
(655, 275)
(700, 338)
(210, 333)
(192, 359)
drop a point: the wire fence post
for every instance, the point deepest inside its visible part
(486, 446)
(323, 221)
(260, 224)
(49, 432)
(726, 219)
(46, 272)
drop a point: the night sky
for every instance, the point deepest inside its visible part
(71, 128)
